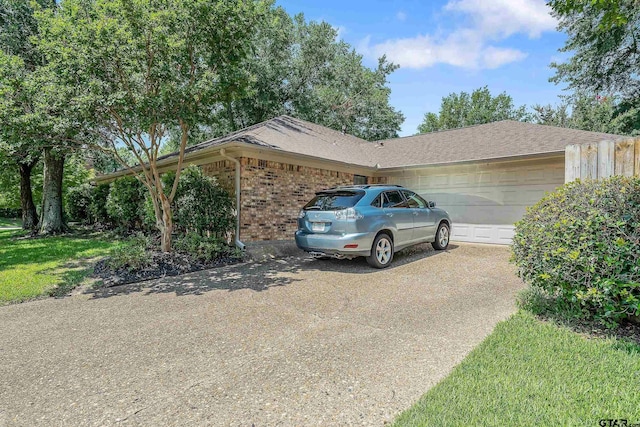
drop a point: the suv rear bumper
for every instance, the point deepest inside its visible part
(335, 244)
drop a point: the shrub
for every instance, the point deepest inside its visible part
(130, 254)
(202, 206)
(202, 248)
(98, 204)
(78, 202)
(125, 203)
(580, 246)
(10, 213)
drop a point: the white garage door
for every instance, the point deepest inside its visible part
(485, 199)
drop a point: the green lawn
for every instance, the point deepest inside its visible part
(33, 267)
(10, 222)
(532, 373)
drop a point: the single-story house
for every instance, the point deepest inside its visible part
(484, 176)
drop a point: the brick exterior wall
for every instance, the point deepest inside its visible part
(272, 193)
(224, 172)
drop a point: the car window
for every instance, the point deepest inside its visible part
(414, 200)
(377, 202)
(393, 199)
(334, 200)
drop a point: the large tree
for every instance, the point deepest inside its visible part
(143, 67)
(590, 112)
(19, 61)
(603, 41)
(479, 107)
(302, 69)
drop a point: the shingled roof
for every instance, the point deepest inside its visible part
(300, 137)
(503, 139)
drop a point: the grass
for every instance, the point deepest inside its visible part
(30, 268)
(10, 222)
(534, 373)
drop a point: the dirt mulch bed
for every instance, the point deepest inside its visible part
(160, 265)
(627, 331)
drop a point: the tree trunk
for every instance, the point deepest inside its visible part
(167, 225)
(29, 214)
(52, 221)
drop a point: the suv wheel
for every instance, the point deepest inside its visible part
(442, 237)
(381, 252)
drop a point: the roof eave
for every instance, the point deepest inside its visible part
(194, 156)
(540, 155)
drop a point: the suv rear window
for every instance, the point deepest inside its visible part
(334, 200)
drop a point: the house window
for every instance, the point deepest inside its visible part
(359, 180)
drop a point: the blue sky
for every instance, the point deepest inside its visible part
(446, 46)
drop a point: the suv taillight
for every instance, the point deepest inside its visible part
(349, 213)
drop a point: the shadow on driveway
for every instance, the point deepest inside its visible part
(260, 276)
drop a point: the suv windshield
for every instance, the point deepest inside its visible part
(334, 200)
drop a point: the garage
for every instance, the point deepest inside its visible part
(485, 176)
(484, 199)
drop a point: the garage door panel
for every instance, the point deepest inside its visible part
(485, 200)
(479, 233)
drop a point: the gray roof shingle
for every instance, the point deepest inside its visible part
(501, 139)
(301, 137)
(506, 138)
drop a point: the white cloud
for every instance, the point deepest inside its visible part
(401, 16)
(494, 57)
(506, 17)
(473, 45)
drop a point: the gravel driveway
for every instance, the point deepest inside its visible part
(285, 342)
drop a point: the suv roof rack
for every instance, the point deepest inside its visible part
(364, 186)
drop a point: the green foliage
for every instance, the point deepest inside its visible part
(202, 206)
(78, 203)
(602, 39)
(131, 254)
(13, 213)
(605, 58)
(608, 114)
(125, 203)
(581, 246)
(135, 69)
(300, 68)
(98, 204)
(203, 248)
(479, 107)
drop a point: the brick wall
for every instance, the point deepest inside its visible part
(224, 172)
(273, 193)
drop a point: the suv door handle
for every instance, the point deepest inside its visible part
(415, 213)
(389, 215)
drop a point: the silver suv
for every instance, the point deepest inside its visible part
(373, 221)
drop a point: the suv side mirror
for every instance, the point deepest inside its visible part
(431, 204)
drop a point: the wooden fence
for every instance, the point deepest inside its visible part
(602, 160)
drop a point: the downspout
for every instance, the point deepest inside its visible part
(238, 243)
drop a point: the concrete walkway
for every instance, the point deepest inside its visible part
(285, 342)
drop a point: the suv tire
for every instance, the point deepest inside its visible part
(442, 237)
(381, 251)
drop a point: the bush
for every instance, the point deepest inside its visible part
(98, 204)
(580, 246)
(131, 254)
(10, 213)
(78, 201)
(202, 206)
(202, 248)
(125, 203)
